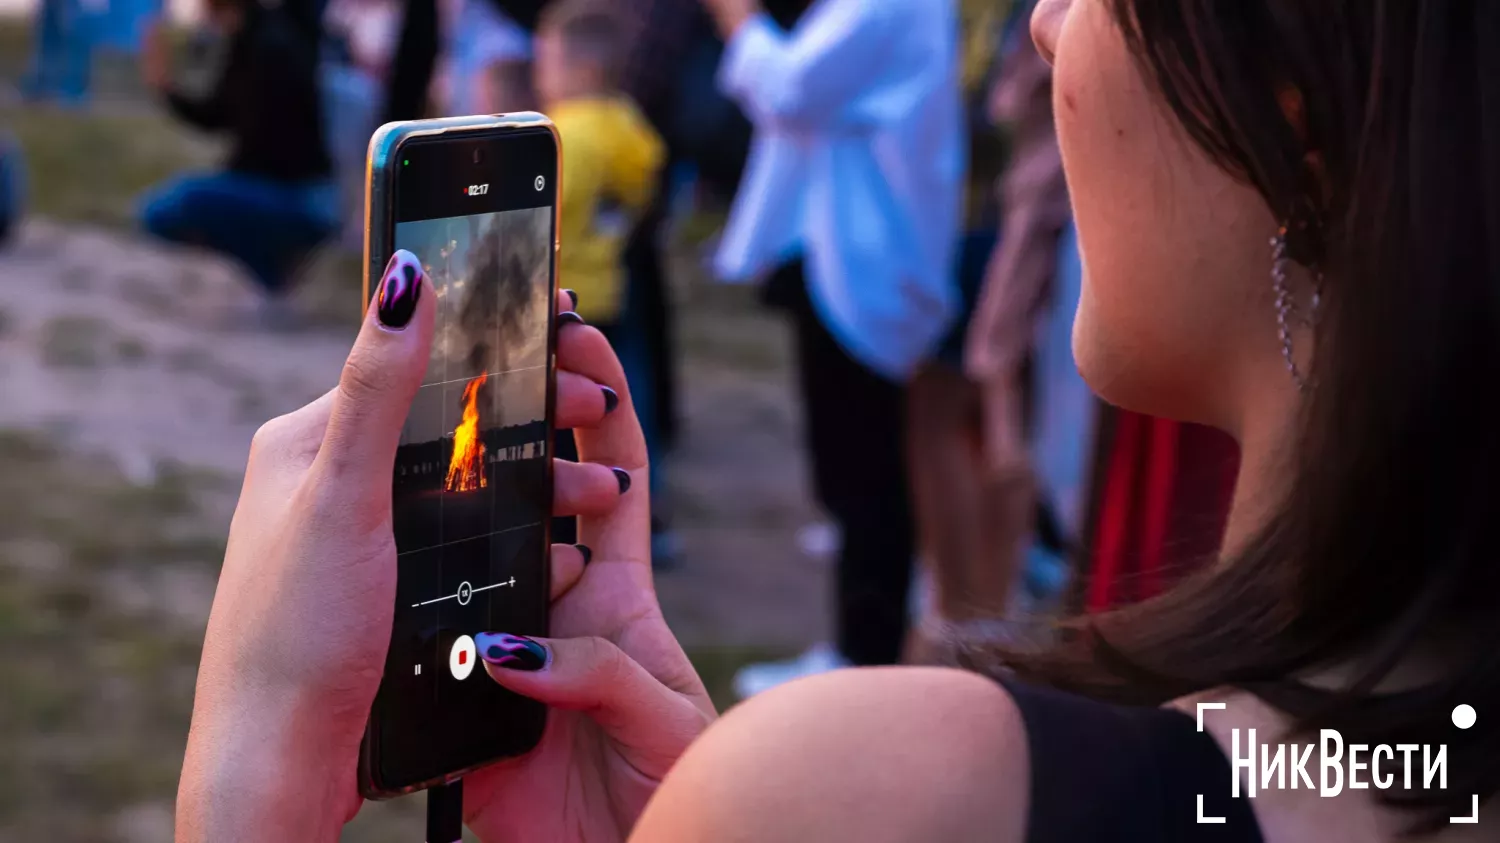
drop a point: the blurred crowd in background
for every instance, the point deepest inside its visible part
(897, 195)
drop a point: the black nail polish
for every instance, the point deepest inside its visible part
(572, 297)
(400, 287)
(568, 317)
(512, 652)
(611, 399)
(588, 553)
(623, 477)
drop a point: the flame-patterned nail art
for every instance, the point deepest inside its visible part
(400, 288)
(512, 652)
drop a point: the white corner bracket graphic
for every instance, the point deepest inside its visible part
(1208, 706)
(1472, 819)
(1202, 820)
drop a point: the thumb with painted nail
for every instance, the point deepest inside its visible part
(648, 723)
(309, 570)
(381, 377)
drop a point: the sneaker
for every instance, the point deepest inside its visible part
(819, 541)
(753, 679)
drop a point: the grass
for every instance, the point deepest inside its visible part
(73, 342)
(98, 669)
(94, 167)
(717, 666)
(15, 46)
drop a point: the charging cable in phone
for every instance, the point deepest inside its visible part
(445, 812)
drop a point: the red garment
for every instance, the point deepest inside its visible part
(1164, 499)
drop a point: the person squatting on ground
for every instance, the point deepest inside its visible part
(275, 199)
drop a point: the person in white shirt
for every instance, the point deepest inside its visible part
(850, 203)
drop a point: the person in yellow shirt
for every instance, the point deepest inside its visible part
(611, 156)
(611, 162)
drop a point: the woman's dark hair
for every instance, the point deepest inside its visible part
(1380, 121)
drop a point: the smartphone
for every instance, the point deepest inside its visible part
(475, 199)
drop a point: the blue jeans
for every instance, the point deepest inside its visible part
(63, 54)
(267, 225)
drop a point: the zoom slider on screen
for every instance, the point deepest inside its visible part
(466, 592)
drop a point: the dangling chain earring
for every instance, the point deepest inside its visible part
(1286, 306)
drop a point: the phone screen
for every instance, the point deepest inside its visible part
(472, 479)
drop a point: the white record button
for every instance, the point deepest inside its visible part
(462, 657)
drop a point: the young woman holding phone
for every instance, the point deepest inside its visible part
(1290, 217)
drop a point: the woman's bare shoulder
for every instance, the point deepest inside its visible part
(874, 754)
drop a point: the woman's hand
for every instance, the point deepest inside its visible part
(301, 620)
(626, 702)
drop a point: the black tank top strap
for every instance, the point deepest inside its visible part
(1103, 772)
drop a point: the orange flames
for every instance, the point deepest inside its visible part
(466, 470)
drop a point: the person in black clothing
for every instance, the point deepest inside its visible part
(275, 200)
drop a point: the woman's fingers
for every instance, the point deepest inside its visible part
(568, 561)
(379, 380)
(648, 720)
(617, 439)
(583, 350)
(585, 488)
(582, 402)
